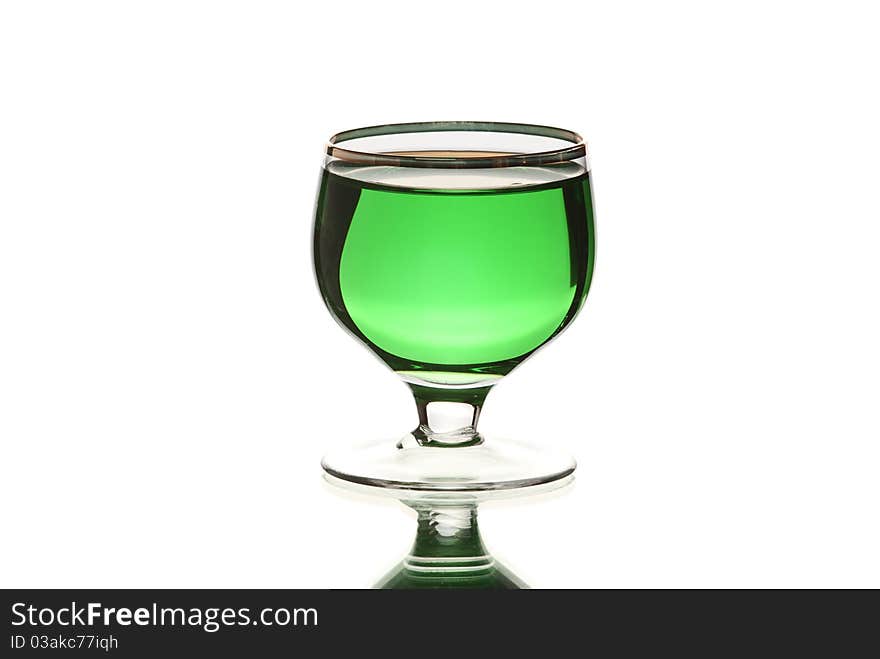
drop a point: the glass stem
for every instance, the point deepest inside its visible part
(448, 417)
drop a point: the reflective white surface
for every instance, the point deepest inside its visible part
(169, 378)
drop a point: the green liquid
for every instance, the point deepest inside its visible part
(454, 286)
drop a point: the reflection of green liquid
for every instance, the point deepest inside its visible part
(448, 553)
(454, 281)
(494, 578)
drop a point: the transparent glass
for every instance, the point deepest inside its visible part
(453, 251)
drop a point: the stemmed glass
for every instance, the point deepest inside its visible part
(453, 251)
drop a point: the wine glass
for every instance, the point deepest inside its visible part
(453, 251)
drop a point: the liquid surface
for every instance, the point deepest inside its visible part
(445, 280)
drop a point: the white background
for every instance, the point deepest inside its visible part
(169, 377)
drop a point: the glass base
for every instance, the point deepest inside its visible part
(496, 464)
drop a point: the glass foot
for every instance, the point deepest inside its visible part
(495, 464)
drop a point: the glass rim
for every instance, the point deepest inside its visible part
(576, 150)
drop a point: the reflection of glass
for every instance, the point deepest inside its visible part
(453, 251)
(448, 551)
